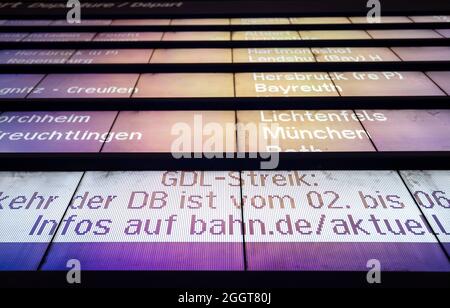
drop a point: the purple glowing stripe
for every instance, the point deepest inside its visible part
(147, 256)
(21, 256)
(427, 257)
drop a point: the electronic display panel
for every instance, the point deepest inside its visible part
(152, 221)
(175, 132)
(431, 191)
(442, 79)
(85, 86)
(444, 32)
(83, 22)
(200, 22)
(382, 19)
(194, 55)
(60, 37)
(37, 56)
(319, 20)
(301, 131)
(12, 37)
(196, 36)
(56, 132)
(25, 22)
(334, 35)
(431, 18)
(110, 56)
(438, 53)
(403, 34)
(18, 85)
(265, 35)
(384, 84)
(32, 205)
(272, 55)
(140, 22)
(128, 36)
(353, 54)
(409, 130)
(284, 84)
(260, 21)
(173, 85)
(335, 221)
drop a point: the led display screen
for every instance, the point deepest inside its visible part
(353, 54)
(140, 22)
(440, 53)
(196, 36)
(83, 22)
(32, 205)
(85, 86)
(174, 132)
(225, 220)
(403, 34)
(410, 130)
(59, 37)
(24, 22)
(431, 18)
(63, 132)
(284, 84)
(432, 193)
(152, 221)
(128, 36)
(319, 20)
(200, 22)
(382, 19)
(185, 85)
(384, 84)
(335, 220)
(196, 55)
(18, 85)
(301, 131)
(442, 79)
(335, 35)
(294, 220)
(444, 32)
(272, 55)
(30, 56)
(260, 21)
(109, 56)
(265, 35)
(12, 37)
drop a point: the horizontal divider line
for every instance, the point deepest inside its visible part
(165, 161)
(222, 103)
(226, 44)
(225, 67)
(227, 9)
(202, 28)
